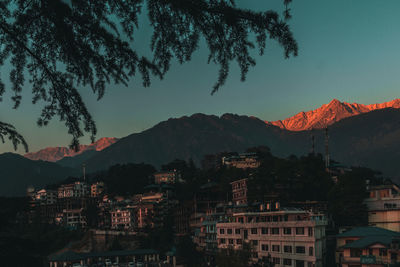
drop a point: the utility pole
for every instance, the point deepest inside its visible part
(327, 159)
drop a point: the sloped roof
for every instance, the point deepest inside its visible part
(368, 231)
(369, 241)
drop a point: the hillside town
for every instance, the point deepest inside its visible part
(272, 232)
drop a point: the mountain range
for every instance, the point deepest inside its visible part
(54, 154)
(328, 114)
(359, 135)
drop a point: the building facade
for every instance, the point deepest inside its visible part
(368, 247)
(239, 191)
(383, 206)
(285, 238)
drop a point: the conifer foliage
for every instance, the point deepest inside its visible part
(64, 45)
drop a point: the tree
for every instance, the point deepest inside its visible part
(63, 45)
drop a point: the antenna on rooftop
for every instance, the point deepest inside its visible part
(84, 171)
(312, 142)
(327, 159)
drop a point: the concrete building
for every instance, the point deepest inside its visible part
(285, 238)
(239, 191)
(242, 161)
(122, 219)
(367, 247)
(77, 189)
(72, 218)
(97, 189)
(383, 206)
(46, 197)
(167, 177)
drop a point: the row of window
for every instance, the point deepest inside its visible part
(272, 231)
(289, 262)
(288, 249)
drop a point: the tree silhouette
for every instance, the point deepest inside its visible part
(63, 45)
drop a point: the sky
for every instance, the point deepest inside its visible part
(348, 50)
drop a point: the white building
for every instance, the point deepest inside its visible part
(383, 206)
(286, 237)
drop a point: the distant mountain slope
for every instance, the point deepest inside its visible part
(78, 160)
(328, 114)
(17, 173)
(371, 139)
(54, 154)
(193, 137)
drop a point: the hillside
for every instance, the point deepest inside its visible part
(329, 114)
(17, 173)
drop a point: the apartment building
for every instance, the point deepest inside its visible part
(72, 218)
(122, 219)
(77, 189)
(97, 189)
(242, 161)
(46, 197)
(167, 177)
(383, 206)
(288, 237)
(368, 247)
(239, 191)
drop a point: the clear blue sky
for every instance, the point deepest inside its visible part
(349, 50)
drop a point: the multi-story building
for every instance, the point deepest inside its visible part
(72, 218)
(368, 247)
(77, 189)
(122, 219)
(383, 206)
(97, 189)
(285, 237)
(242, 161)
(167, 177)
(239, 191)
(46, 197)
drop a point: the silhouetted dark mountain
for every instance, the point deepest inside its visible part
(371, 139)
(18, 172)
(78, 160)
(193, 137)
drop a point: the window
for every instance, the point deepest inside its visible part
(229, 231)
(264, 247)
(355, 253)
(299, 230)
(253, 231)
(370, 251)
(300, 250)
(237, 231)
(254, 242)
(276, 248)
(275, 218)
(287, 231)
(287, 249)
(299, 263)
(310, 231)
(239, 241)
(276, 260)
(264, 231)
(310, 264)
(287, 262)
(222, 231)
(230, 241)
(311, 251)
(382, 252)
(275, 231)
(222, 241)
